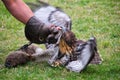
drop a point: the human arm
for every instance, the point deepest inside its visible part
(19, 10)
(35, 30)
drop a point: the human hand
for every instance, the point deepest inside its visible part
(37, 32)
(55, 33)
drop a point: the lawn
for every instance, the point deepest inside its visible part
(100, 18)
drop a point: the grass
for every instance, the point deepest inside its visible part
(100, 18)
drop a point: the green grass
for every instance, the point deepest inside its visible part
(100, 18)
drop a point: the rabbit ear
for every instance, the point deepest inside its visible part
(24, 47)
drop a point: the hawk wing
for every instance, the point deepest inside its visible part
(50, 15)
(53, 15)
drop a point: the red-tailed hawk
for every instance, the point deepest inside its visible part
(74, 54)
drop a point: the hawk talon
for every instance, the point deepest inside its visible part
(56, 63)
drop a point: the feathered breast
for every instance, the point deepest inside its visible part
(67, 43)
(64, 48)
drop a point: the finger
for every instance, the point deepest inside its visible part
(58, 28)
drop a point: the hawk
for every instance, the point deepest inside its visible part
(74, 54)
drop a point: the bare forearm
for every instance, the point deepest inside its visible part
(19, 10)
